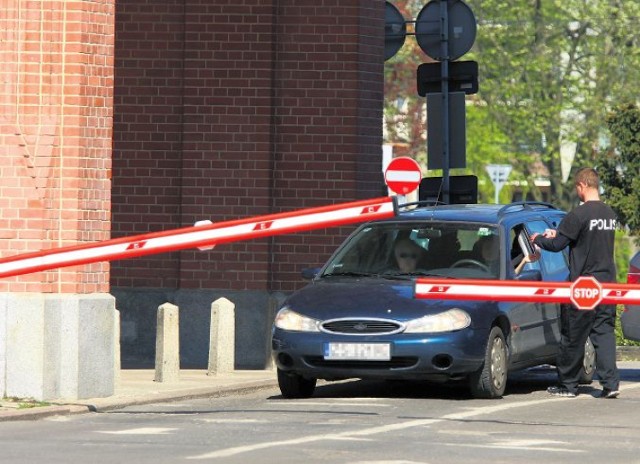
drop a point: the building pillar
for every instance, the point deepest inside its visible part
(56, 105)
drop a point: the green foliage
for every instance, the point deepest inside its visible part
(619, 167)
(488, 144)
(622, 256)
(23, 403)
(620, 340)
(548, 74)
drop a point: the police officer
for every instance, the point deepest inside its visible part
(589, 232)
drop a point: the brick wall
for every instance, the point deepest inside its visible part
(147, 135)
(230, 109)
(55, 136)
(328, 112)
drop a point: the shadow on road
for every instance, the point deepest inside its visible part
(522, 382)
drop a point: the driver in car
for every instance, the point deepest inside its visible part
(407, 253)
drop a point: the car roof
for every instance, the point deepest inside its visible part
(481, 213)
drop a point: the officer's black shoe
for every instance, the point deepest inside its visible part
(609, 394)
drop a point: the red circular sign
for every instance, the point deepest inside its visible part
(403, 175)
(586, 293)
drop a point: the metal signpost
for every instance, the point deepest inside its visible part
(445, 30)
(498, 173)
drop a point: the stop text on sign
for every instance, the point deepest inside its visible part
(586, 292)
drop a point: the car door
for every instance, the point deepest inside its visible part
(554, 268)
(532, 324)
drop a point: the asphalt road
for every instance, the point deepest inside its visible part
(350, 422)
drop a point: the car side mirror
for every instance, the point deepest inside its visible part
(309, 273)
(530, 274)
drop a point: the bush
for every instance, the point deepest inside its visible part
(620, 340)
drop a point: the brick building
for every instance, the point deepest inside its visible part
(135, 116)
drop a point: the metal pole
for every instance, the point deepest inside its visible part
(444, 68)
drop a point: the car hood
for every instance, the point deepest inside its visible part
(370, 297)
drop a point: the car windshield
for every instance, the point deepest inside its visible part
(452, 250)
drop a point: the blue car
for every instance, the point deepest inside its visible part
(358, 317)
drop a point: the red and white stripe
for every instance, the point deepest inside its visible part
(403, 176)
(200, 236)
(512, 290)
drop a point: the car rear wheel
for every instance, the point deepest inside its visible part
(588, 363)
(294, 385)
(491, 380)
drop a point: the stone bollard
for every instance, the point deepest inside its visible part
(117, 361)
(167, 344)
(222, 337)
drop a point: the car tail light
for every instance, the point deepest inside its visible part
(633, 277)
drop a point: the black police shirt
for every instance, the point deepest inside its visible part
(591, 228)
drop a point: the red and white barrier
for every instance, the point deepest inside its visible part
(200, 236)
(584, 293)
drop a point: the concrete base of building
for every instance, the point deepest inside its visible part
(57, 346)
(254, 313)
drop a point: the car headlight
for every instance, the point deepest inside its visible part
(287, 319)
(448, 321)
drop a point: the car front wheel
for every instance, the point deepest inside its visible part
(491, 380)
(294, 385)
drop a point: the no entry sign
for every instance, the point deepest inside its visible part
(403, 175)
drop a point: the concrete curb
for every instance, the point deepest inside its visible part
(113, 403)
(41, 412)
(109, 404)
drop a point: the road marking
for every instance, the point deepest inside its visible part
(139, 431)
(341, 404)
(224, 453)
(234, 421)
(469, 433)
(58, 418)
(524, 445)
(471, 412)
(358, 398)
(389, 462)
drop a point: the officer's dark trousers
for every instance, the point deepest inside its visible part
(575, 326)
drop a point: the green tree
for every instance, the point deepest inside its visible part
(619, 168)
(549, 72)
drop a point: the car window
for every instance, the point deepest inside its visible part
(520, 248)
(446, 249)
(554, 264)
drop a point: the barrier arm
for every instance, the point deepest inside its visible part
(492, 290)
(529, 291)
(200, 236)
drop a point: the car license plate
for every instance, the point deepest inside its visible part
(357, 351)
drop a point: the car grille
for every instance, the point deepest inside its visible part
(393, 363)
(362, 326)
